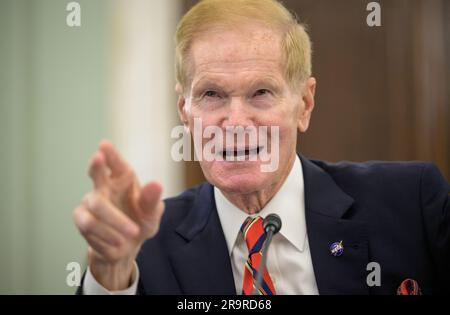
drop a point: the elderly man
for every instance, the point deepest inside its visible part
(348, 228)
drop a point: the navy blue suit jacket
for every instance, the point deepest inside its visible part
(394, 213)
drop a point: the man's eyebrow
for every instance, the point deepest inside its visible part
(266, 81)
(206, 83)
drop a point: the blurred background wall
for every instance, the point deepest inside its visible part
(383, 93)
(64, 89)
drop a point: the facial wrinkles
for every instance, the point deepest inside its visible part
(232, 53)
(244, 73)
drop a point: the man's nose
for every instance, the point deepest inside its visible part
(238, 114)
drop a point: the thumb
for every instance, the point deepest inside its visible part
(149, 200)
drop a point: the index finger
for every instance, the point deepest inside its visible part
(114, 160)
(98, 171)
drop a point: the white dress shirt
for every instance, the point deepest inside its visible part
(289, 259)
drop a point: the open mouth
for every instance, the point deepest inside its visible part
(242, 154)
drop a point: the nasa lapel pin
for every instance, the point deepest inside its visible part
(337, 249)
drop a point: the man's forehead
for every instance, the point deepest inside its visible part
(236, 75)
(236, 46)
(256, 64)
(237, 78)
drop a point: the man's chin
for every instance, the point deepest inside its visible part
(239, 178)
(240, 184)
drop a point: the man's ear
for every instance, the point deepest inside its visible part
(181, 105)
(307, 106)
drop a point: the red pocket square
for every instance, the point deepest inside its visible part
(409, 287)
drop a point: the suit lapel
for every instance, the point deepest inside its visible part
(325, 208)
(202, 264)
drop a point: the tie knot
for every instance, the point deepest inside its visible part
(254, 234)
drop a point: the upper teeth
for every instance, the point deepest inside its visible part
(241, 152)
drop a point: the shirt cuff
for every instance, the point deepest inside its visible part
(92, 287)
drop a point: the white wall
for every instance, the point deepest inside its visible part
(143, 97)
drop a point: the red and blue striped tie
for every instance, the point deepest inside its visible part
(254, 236)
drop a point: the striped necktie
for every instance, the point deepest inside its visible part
(254, 236)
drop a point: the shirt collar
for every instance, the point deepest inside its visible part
(288, 203)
